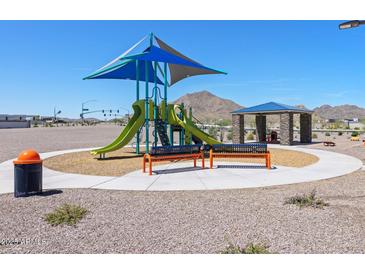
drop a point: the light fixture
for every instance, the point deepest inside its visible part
(351, 24)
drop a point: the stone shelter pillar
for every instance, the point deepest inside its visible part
(286, 128)
(238, 129)
(305, 128)
(260, 128)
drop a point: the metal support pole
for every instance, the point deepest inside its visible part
(137, 79)
(151, 39)
(180, 117)
(182, 142)
(155, 104)
(147, 109)
(191, 119)
(171, 136)
(165, 93)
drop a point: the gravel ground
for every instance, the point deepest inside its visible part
(192, 221)
(56, 138)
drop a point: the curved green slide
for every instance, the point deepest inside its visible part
(189, 125)
(129, 131)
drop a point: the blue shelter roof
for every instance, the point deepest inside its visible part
(272, 107)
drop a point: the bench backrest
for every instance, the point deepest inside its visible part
(240, 148)
(170, 150)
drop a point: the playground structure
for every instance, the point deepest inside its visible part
(148, 66)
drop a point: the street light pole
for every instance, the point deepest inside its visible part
(351, 24)
(55, 113)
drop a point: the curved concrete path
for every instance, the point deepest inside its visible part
(181, 176)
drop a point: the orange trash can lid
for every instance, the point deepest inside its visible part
(28, 156)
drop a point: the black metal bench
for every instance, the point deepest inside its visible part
(170, 153)
(254, 150)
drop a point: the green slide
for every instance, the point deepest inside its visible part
(129, 131)
(189, 126)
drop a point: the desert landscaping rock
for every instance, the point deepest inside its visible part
(194, 221)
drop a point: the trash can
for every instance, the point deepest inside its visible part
(27, 174)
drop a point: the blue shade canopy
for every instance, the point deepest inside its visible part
(128, 71)
(154, 53)
(180, 66)
(272, 107)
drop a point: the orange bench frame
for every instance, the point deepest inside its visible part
(159, 158)
(266, 156)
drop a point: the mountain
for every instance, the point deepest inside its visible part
(207, 106)
(340, 112)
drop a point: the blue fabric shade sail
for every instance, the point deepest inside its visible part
(154, 53)
(124, 66)
(127, 71)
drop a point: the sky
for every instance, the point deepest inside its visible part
(42, 63)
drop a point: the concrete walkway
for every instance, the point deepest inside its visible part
(182, 176)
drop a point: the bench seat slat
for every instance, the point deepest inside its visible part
(240, 148)
(169, 153)
(255, 150)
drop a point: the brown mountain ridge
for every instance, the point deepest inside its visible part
(209, 107)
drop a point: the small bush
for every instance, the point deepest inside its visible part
(249, 249)
(354, 134)
(314, 136)
(65, 214)
(340, 133)
(229, 136)
(306, 200)
(250, 137)
(212, 131)
(327, 134)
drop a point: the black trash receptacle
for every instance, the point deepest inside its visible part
(27, 174)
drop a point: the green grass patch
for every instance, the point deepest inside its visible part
(249, 249)
(306, 200)
(66, 214)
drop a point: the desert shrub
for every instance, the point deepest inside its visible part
(248, 249)
(229, 136)
(213, 131)
(65, 214)
(250, 137)
(223, 122)
(306, 200)
(327, 134)
(314, 136)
